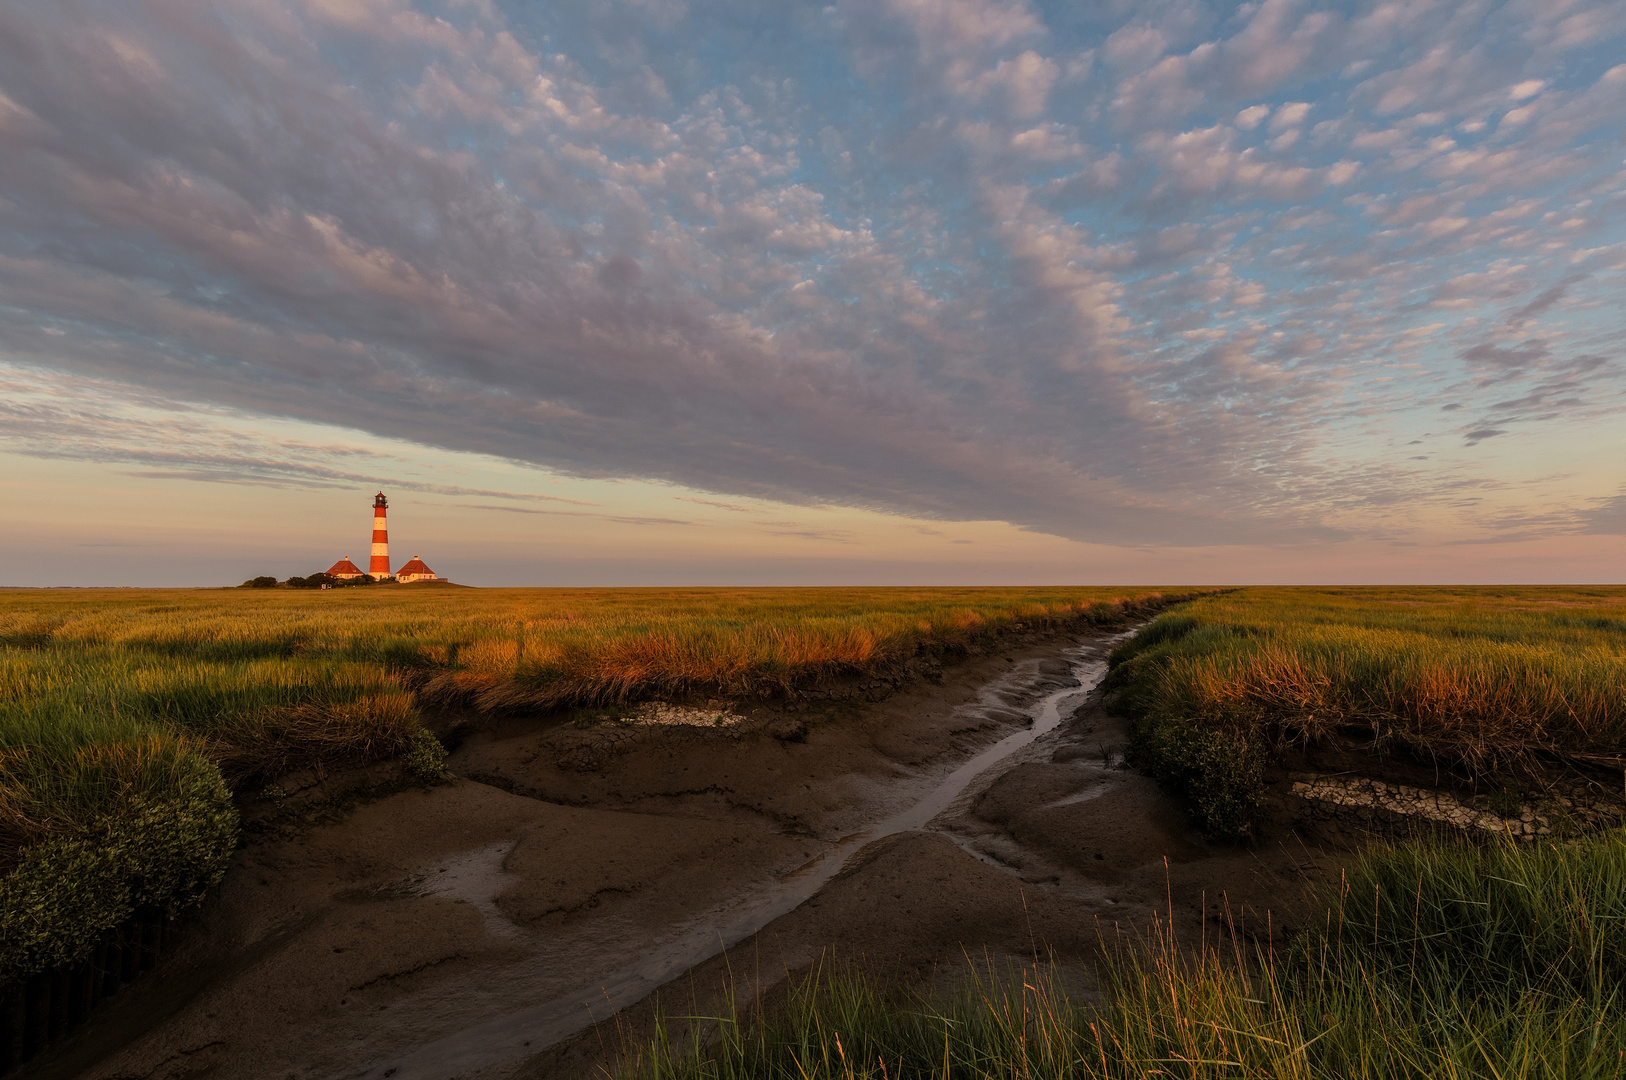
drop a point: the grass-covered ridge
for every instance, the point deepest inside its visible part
(127, 717)
(1481, 679)
(1502, 962)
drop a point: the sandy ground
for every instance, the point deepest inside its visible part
(461, 930)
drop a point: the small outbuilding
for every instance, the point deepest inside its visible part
(344, 569)
(415, 570)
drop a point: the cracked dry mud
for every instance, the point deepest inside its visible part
(462, 930)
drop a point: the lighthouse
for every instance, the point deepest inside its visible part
(379, 568)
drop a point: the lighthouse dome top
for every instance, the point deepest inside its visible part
(381, 502)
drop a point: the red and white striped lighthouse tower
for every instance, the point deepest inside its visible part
(379, 568)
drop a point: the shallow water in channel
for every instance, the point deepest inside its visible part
(513, 1036)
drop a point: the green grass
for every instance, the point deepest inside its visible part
(128, 717)
(1487, 681)
(1439, 958)
(1435, 960)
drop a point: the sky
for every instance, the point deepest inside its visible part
(642, 292)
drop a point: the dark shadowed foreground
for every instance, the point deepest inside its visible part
(489, 926)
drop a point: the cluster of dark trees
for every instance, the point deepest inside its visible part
(315, 581)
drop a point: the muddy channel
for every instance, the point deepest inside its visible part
(492, 926)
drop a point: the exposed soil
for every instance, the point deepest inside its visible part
(464, 930)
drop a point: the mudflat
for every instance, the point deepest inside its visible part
(491, 925)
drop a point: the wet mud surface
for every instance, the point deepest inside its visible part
(491, 926)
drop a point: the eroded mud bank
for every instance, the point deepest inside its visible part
(473, 929)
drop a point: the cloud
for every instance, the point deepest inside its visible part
(734, 507)
(1163, 278)
(829, 536)
(1500, 361)
(618, 519)
(1543, 300)
(1251, 117)
(69, 419)
(1289, 115)
(1606, 516)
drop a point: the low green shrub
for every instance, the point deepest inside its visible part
(1217, 769)
(1219, 772)
(146, 846)
(425, 756)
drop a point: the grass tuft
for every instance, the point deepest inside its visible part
(1488, 681)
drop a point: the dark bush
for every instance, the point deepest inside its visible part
(425, 756)
(264, 581)
(1219, 771)
(316, 581)
(160, 848)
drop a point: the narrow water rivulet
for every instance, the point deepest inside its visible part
(515, 1035)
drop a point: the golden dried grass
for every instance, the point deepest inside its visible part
(1486, 677)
